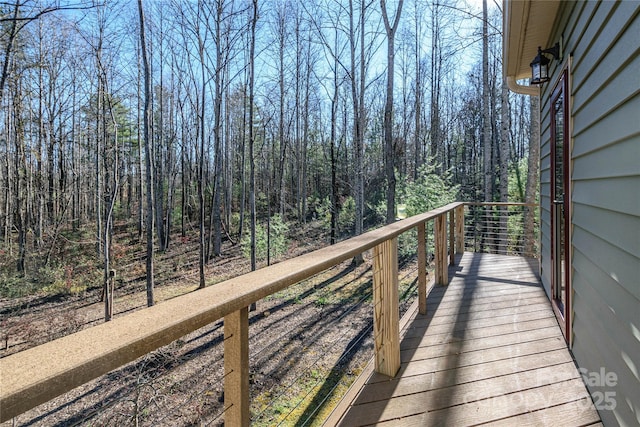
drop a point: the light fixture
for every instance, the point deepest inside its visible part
(540, 64)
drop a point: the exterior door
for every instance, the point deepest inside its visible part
(560, 206)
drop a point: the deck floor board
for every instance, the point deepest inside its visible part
(489, 350)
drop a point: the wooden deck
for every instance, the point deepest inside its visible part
(489, 350)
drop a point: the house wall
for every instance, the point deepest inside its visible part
(602, 46)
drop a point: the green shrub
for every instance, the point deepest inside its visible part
(347, 215)
(323, 210)
(14, 286)
(429, 191)
(278, 241)
(235, 221)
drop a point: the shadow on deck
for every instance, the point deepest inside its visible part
(489, 350)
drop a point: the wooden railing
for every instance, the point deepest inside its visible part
(37, 375)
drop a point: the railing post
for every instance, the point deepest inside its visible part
(441, 250)
(422, 268)
(386, 318)
(452, 238)
(236, 368)
(459, 229)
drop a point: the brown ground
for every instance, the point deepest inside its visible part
(304, 342)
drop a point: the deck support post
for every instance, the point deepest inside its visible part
(236, 368)
(422, 268)
(459, 227)
(386, 318)
(441, 250)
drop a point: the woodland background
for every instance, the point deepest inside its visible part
(241, 122)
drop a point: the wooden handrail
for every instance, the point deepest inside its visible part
(39, 374)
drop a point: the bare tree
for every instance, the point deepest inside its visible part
(18, 20)
(252, 161)
(281, 30)
(20, 181)
(504, 157)
(389, 165)
(334, 47)
(13, 31)
(111, 189)
(217, 125)
(201, 141)
(159, 138)
(357, 74)
(418, 96)
(147, 120)
(436, 85)
(486, 118)
(332, 141)
(139, 126)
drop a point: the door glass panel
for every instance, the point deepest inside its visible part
(559, 141)
(559, 199)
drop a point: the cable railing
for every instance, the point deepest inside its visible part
(42, 373)
(502, 228)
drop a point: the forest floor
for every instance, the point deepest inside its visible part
(307, 342)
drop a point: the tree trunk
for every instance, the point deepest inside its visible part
(305, 139)
(281, 135)
(297, 160)
(20, 183)
(159, 176)
(504, 165)
(75, 211)
(184, 175)
(13, 31)
(357, 95)
(243, 156)
(217, 135)
(486, 119)
(140, 181)
(252, 161)
(147, 119)
(97, 164)
(332, 141)
(200, 163)
(39, 193)
(418, 101)
(10, 177)
(486, 128)
(111, 189)
(159, 165)
(389, 165)
(436, 80)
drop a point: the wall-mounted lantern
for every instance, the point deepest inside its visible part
(540, 64)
